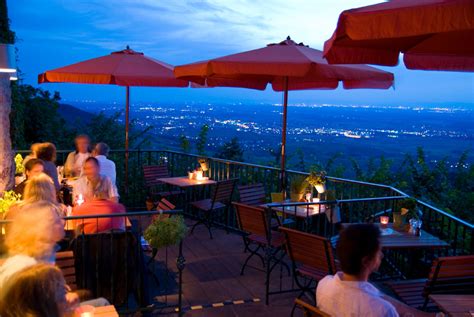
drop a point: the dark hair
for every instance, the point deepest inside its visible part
(355, 243)
(92, 159)
(37, 290)
(102, 149)
(83, 136)
(30, 164)
(47, 152)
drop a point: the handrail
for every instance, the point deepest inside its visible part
(331, 202)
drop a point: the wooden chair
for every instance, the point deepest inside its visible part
(151, 174)
(65, 262)
(253, 221)
(221, 197)
(312, 259)
(310, 310)
(252, 195)
(448, 275)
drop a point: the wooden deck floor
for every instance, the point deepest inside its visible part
(212, 276)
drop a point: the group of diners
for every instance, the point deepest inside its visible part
(92, 177)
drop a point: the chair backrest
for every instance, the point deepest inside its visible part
(252, 219)
(253, 194)
(277, 197)
(110, 265)
(151, 173)
(310, 310)
(65, 262)
(310, 250)
(451, 275)
(223, 190)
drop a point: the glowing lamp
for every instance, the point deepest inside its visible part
(7, 59)
(384, 220)
(199, 175)
(320, 188)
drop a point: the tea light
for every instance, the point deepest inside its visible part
(384, 220)
(199, 175)
(80, 200)
(316, 200)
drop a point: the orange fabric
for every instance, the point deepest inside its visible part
(123, 68)
(432, 34)
(99, 207)
(304, 67)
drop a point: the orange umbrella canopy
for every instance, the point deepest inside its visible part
(302, 67)
(122, 68)
(432, 34)
(286, 66)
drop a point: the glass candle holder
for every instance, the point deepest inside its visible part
(384, 220)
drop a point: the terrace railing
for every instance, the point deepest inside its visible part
(437, 222)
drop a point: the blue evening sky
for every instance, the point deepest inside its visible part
(54, 33)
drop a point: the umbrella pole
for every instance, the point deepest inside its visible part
(283, 138)
(127, 119)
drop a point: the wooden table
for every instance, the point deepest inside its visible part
(299, 211)
(106, 311)
(185, 182)
(455, 305)
(399, 239)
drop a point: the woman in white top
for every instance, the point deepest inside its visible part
(75, 160)
(349, 293)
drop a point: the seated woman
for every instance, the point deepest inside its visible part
(32, 238)
(33, 168)
(75, 160)
(47, 153)
(99, 205)
(36, 290)
(348, 293)
(92, 183)
(38, 188)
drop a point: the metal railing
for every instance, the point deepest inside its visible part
(437, 222)
(120, 266)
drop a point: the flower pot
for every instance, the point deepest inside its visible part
(320, 188)
(399, 220)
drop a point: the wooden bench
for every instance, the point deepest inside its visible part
(310, 310)
(448, 275)
(65, 262)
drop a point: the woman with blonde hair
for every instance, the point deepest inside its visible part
(38, 188)
(36, 290)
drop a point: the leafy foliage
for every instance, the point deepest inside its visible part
(231, 150)
(184, 143)
(202, 140)
(8, 199)
(165, 232)
(19, 167)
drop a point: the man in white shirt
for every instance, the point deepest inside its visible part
(348, 293)
(75, 160)
(92, 183)
(107, 167)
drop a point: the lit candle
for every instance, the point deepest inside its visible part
(316, 200)
(190, 175)
(80, 200)
(87, 314)
(384, 220)
(199, 175)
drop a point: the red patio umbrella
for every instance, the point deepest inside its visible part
(123, 68)
(432, 35)
(287, 66)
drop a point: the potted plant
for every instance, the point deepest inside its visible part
(19, 169)
(318, 180)
(166, 231)
(204, 164)
(9, 198)
(406, 209)
(298, 187)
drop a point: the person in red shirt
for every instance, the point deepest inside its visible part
(99, 205)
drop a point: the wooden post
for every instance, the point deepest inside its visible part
(7, 169)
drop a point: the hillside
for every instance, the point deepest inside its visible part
(75, 117)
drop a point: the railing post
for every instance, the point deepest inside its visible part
(180, 264)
